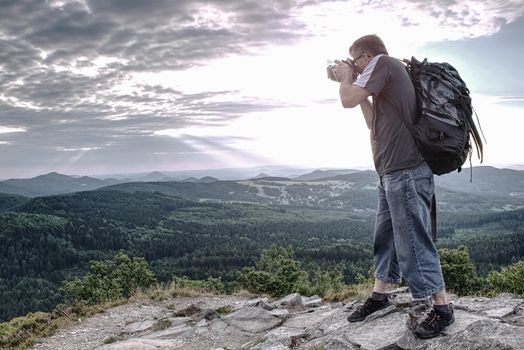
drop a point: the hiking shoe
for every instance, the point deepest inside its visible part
(434, 324)
(370, 306)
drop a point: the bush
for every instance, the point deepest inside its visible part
(211, 285)
(110, 280)
(459, 272)
(21, 332)
(324, 283)
(510, 279)
(276, 273)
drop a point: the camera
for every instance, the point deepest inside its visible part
(348, 61)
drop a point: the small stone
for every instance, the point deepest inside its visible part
(202, 323)
(314, 301)
(280, 313)
(139, 326)
(268, 345)
(293, 299)
(264, 304)
(400, 290)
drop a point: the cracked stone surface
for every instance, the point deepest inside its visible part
(293, 322)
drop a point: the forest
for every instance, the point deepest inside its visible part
(46, 241)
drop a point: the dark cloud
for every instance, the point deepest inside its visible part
(54, 87)
(43, 44)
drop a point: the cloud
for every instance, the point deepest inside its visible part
(463, 18)
(69, 68)
(433, 20)
(5, 130)
(49, 51)
(515, 101)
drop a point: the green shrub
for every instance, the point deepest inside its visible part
(276, 273)
(110, 280)
(224, 310)
(21, 332)
(211, 285)
(323, 283)
(459, 272)
(510, 279)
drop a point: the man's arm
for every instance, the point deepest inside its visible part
(352, 95)
(367, 110)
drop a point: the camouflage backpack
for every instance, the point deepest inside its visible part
(444, 126)
(444, 120)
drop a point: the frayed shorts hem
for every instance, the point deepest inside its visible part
(387, 279)
(428, 293)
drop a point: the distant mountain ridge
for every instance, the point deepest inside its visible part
(484, 180)
(498, 189)
(154, 176)
(323, 174)
(355, 191)
(53, 183)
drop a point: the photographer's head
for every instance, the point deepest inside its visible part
(365, 48)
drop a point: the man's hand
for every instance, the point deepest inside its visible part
(343, 71)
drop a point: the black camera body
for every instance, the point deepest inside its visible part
(348, 61)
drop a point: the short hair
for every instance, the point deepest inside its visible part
(372, 44)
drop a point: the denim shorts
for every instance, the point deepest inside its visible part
(402, 244)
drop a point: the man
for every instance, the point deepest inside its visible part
(402, 242)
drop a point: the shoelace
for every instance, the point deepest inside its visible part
(368, 305)
(431, 318)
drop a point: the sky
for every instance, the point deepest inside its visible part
(94, 87)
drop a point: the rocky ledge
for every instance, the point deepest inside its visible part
(294, 322)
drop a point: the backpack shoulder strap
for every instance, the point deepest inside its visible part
(433, 213)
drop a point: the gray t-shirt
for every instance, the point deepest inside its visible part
(394, 99)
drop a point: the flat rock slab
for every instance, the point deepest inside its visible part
(378, 333)
(139, 326)
(284, 335)
(172, 332)
(252, 319)
(484, 335)
(312, 318)
(138, 344)
(270, 345)
(499, 307)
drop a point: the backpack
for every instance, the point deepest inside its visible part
(444, 116)
(444, 126)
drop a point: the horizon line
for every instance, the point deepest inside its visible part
(515, 166)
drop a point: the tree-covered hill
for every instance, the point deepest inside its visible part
(9, 201)
(485, 180)
(52, 238)
(53, 183)
(46, 240)
(354, 192)
(216, 190)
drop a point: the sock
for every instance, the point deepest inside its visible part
(378, 296)
(443, 310)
